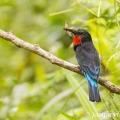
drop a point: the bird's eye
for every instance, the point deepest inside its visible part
(84, 33)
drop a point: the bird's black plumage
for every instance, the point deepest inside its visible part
(89, 62)
(88, 59)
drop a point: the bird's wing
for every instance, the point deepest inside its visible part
(88, 60)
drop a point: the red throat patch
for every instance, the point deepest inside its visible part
(77, 40)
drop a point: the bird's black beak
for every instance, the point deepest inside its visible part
(70, 30)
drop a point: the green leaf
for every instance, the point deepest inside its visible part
(68, 116)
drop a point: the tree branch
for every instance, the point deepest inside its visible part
(9, 36)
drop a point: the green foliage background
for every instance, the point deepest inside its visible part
(31, 88)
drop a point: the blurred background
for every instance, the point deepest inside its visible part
(31, 88)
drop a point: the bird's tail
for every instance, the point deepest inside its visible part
(93, 90)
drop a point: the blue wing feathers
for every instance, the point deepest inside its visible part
(93, 82)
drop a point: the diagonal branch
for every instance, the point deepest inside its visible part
(9, 36)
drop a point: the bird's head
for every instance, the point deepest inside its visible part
(79, 36)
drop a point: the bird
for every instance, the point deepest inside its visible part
(88, 60)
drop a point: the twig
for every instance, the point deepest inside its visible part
(9, 36)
